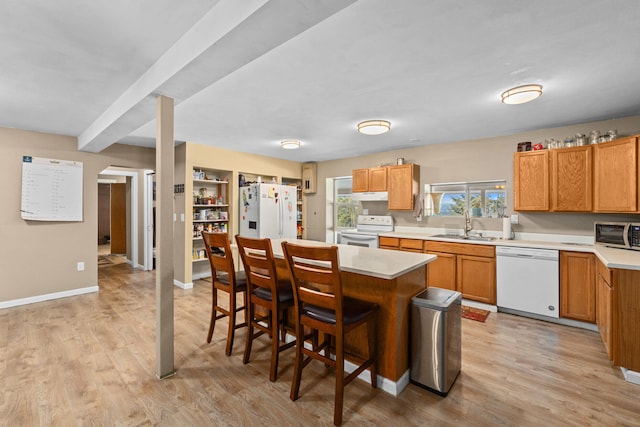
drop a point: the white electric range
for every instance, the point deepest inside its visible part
(368, 227)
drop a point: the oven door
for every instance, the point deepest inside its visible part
(359, 239)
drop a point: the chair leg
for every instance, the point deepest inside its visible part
(339, 399)
(214, 304)
(371, 330)
(275, 342)
(297, 368)
(232, 323)
(247, 347)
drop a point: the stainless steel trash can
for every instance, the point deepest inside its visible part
(436, 329)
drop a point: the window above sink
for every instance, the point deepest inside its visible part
(487, 199)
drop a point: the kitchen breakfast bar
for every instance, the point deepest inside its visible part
(389, 279)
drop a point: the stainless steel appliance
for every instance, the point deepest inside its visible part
(527, 280)
(625, 235)
(368, 227)
(436, 330)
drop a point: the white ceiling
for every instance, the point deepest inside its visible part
(245, 75)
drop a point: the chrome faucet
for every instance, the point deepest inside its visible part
(467, 223)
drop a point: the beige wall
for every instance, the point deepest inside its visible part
(471, 160)
(39, 258)
(190, 155)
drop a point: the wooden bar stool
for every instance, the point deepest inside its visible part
(320, 305)
(225, 278)
(266, 290)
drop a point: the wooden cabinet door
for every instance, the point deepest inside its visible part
(441, 273)
(577, 286)
(378, 179)
(531, 181)
(388, 242)
(604, 313)
(571, 188)
(411, 245)
(360, 180)
(402, 186)
(476, 278)
(615, 174)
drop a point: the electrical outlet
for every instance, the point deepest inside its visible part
(81, 266)
(365, 211)
(514, 218)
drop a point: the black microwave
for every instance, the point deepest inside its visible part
(625, 235)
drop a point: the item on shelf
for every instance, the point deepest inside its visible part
(594, 137)
(580, 139)
(538, 146)
(524, 146)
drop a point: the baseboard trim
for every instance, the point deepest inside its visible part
(47, 297)
(182, 285)
(631, 376)
(385, 384)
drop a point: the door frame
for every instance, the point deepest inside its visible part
(148, 219)
(133, 173)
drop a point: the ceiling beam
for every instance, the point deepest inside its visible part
(226, 38)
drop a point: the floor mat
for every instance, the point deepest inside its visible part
(473, 313)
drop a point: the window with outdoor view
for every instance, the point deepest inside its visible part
(482, 199)
(345, 208)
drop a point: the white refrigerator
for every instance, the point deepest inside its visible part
(268, 210)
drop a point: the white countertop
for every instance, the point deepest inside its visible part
(611, 257)
(379, 263)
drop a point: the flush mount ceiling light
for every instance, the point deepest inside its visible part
(521, 94)
(290, 144)
(374, 127)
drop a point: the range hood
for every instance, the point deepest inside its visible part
(371, 196)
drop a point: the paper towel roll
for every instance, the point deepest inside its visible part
(506, 228)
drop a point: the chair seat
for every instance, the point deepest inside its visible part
(241, 279)
(285, 292)
(353, 310)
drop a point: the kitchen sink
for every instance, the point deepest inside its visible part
(458, 237)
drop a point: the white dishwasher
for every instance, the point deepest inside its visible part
(527, 280)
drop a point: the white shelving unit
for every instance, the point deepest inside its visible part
(210, 209)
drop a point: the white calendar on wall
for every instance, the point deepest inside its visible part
(51, 189)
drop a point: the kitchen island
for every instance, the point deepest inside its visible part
(389, 279)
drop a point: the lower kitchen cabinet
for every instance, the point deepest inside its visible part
(467, 268)
(604, 307)
(389, 243)
(476, 278)
(441, 273)
(577, 286)
(400, 244)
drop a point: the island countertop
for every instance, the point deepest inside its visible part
(367, 261)
(389, 279)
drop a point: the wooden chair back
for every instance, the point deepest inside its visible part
(315, 276)
(258, 261)
(219, 253)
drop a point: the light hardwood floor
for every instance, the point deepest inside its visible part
(90, 360)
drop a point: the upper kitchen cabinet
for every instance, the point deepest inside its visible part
(571, 179)
(531, 180)
(403, 183)
(615, 173)
(371, 179)
(360, 180)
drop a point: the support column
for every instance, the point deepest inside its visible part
(164, 237)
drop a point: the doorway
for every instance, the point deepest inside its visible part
(123, 183)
